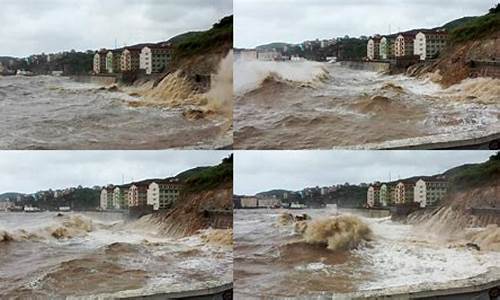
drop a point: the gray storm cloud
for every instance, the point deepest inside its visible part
(263, 21)
(29, 26)
(257, 171)
(30, 171)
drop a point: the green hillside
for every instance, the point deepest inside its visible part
(477, 175)
(196, 43)
(457, 23)
(202, 179)
(274, 46)
(477, 28)
(10, 196)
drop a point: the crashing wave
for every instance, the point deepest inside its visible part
(66, 228)
(252, 75)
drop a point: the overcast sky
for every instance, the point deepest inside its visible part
(30, 171)
(260, 22)
(35, 26)
(258, 171)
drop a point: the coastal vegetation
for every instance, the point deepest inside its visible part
(209, 178)
(477, 28)
(472, 176)
(197, 43)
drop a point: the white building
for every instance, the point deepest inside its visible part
(428, 44)
(403, 46)
(269, 202)
(104, 199)
(373, 49)
(154, 59)
(268, 55)
(372, 196)
(428, 193)
(249, 202)
(130, 59)
(245, 54)
(100, 61)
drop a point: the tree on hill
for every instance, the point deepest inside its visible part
(495, 10)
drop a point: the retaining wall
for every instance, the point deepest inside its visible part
(367, 65)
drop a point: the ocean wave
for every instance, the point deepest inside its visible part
(251, 75)
(64, 227)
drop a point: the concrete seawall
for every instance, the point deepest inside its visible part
(98, 79)
(367, 65)
(484, 286)
(222, 292)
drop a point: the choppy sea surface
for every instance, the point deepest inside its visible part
(45, 112)
(304, 105)
(92, 255)
(269, 262)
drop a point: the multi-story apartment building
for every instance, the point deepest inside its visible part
(373, 48)
(386, 194)
(249, 202)
(130, 59)
(269, 202)
(429, 43)
(268, 55)
(113, 61)
(245, 54)
(403, 193)
(403, 46)
(100, 61)
(106, 200)
(162, 194)
(120, 196)
(373, 195)
(386, 46)
(155, 59)
(138, 194)
(429, 192)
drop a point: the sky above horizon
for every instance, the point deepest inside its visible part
(36, 26)
(31, 171)
(259, 22)
(259, 171)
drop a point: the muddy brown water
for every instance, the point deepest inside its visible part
(271, 260)
(101, 255)
(352, 108)
(46, 112)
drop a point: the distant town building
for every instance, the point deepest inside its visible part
(386, 46)
(120, 196)
(403, 193)
(162, 194)
(373, 48)
(373, 195)
(249, 202)
(403, 45)
(130, 59)
(430, 192)
(245, 54)
(154, 59)
(429, 43)
(100, 61)
(138, 194)
(268, 55)
(6, 205)
(385, 195)
(106, 200)
(113, 61)
(269, 203)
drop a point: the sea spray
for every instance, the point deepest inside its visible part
(218, 237)
(220, 96)
(251, 74)
(338, 233)
(484, 90)
(487, 238)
